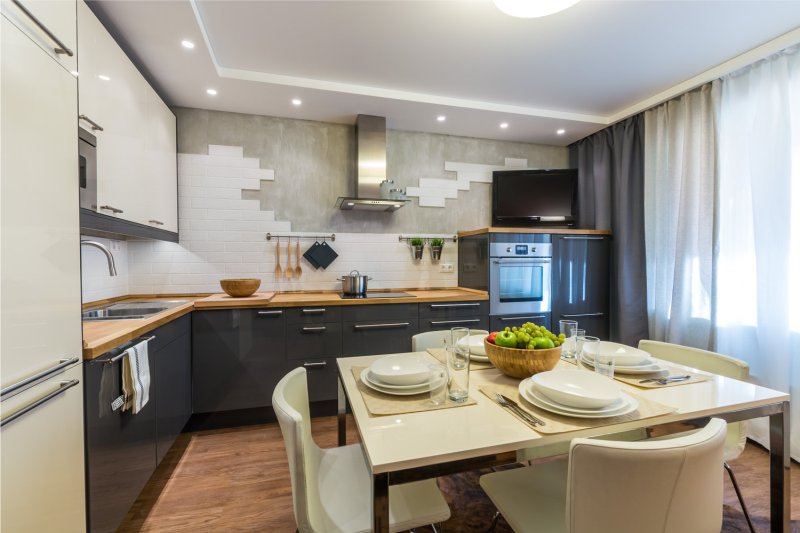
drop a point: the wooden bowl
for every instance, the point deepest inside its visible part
(240, 287)
(521, 363)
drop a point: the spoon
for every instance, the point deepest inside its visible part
(278, 258)
(289, 270)
(297, 270)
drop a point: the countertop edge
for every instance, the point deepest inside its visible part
(555, 231)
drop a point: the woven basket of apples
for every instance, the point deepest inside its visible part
(522, 351)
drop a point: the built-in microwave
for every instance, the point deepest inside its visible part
(87, 169)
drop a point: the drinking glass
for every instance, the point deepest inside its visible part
(578, 336)
(568, 327)
(437, 383)
(458, 365)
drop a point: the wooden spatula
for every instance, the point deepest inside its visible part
(278, 271)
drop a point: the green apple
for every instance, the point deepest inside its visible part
(506, 339)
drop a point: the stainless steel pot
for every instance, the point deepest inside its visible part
(354, 283)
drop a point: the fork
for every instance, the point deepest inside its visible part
(510, 404)
(668, 379)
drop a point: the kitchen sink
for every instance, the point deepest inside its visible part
(130, 310)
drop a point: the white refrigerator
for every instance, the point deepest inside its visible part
(41, 405)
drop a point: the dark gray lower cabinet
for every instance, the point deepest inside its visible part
(123, 449)
(446, 315)
(378, 329)
(500, 322)
(237, 358)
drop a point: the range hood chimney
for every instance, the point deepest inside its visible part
(370, 168)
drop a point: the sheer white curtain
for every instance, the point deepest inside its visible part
(758, 259)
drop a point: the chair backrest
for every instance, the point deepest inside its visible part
(669, 485)
(715, 363)
(436, 339)
(290, 402)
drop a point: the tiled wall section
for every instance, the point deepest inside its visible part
(96, 283)
(224, 236)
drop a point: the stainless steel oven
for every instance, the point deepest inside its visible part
(519, 278)
(87, 169)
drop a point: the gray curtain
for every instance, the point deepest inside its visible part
(610, 167)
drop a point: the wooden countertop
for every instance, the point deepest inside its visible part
(101, 336)
(535, 230)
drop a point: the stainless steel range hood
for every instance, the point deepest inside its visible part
(370, 168)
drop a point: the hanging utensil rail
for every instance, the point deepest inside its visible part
(331, 237)
(427, 239)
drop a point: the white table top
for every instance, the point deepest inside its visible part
(398, 442)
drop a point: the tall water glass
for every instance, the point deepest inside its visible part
(568, 327)
(578, 334)
(458, 365)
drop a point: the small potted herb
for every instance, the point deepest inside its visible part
(436, 249)
(417, 245)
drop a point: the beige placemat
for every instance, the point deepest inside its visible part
(635, 380)
(382, 404)
(441, 355)
(561, 424)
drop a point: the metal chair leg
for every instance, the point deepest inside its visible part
(739, 495)
(435, 529)
(494, 522)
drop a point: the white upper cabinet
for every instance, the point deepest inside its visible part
(135, 130)
(51, 24)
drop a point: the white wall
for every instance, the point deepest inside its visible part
(96, 284)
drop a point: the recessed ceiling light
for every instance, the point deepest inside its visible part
(528, 9)
(441, 118)
(562, 131)
(503, 125)
(103, 77)
(211, 92)
(187, 44)
(297, 101)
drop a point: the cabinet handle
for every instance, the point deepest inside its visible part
(112, 209)
(390, 325)
(321, 364)
(156, 222)
(270, 313)
(584, 315)
(514, 318)
(315, 329)
(445, 322)
(63, 386)
(581, 238)
(449, 306)
(62, 48)
(62, 363)
(318, 311)
(95, 125)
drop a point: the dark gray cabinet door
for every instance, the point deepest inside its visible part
(322, 378)
(237, 358)
(173, 384)
(581, 282)
(378, 329)
(500, 322)
(445, 315)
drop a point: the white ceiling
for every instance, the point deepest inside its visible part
(410, 61)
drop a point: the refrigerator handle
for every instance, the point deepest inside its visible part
(31, 406)
(62, 363)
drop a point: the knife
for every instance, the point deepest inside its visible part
(668, 379)
(505, 401)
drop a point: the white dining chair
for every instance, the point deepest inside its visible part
(436, 339)
(331, 487)
(722, 365)
(670, 485)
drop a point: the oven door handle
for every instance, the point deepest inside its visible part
(522, 261)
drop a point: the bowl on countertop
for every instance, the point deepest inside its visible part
(240, 287)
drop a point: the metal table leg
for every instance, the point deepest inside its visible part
(342, 413)
(380, 503)
(779, 471)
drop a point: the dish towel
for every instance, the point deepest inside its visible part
(136, 377)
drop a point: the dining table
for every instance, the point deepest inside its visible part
(406, 447)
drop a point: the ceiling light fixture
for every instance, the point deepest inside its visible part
(529, 9)
(187, 44)
(562, 131)
(503, 125)
(296, 101)
(103, 77)
(441, 118)
(211, 92)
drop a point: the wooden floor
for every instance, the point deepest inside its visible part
(238, 480)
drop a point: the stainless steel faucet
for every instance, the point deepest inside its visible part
(112, 268)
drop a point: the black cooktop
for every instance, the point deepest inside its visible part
(373, 295)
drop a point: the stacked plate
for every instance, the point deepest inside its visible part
(401, 375)
(577, 394)
(627, 360)
(475, 344)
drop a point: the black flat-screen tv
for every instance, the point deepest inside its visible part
(524, 198)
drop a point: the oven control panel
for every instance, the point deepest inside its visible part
(499, 249)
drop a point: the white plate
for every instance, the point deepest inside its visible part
(420, 389)
(400, 370)
(629, 405)
(585, 390)
(475, 344)
(375, 381)
(528, 388)
(623, 355)
(643, 369)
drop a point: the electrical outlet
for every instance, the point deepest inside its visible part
(116, 246)
(446, 267)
